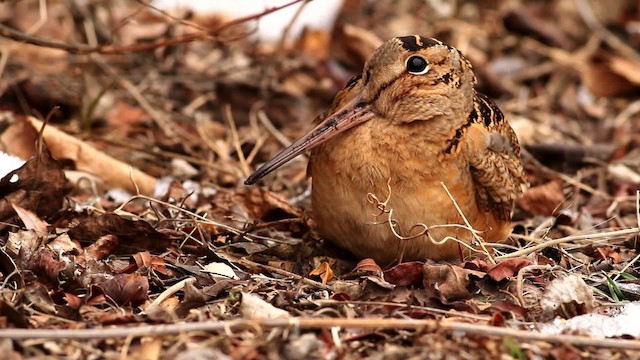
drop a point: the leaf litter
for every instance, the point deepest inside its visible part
(129, 221)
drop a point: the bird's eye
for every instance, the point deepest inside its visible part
(417, 65)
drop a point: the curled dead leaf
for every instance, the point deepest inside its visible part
(253, 307)
(126, 289)
(405, 274)
(324, 271)
(448, 282)
(507, 268)
(543, 199)
(567, 296)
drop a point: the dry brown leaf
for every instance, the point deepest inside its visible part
(38, 186)
(369, 266)
(147, 350)
(507, 309)
(324, 271)
(254, 203)
(126, 289)
(629, 69)
(448, 282)
(101, 248)
(567, 296)
(87, 158)
(31, 221)
(507, 268)
(134, 235)
(543, 199)
(603, 81)
(607, 252)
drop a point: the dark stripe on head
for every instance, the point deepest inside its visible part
(354, 80)
(382, 88)
(417, 42)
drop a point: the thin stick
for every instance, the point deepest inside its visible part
(159, 118)
(235, 139)
(603, 235)
(466, 222)
(311, 323)
(74, 48)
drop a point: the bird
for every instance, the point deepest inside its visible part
(411, 162)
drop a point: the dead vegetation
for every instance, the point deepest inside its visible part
(128, 232)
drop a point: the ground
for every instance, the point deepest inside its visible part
(129, 233)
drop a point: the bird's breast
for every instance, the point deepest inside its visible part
(398, 165)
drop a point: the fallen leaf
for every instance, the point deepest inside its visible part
(567, 296)
(31, 221)
(43, 261)
(448, 282)
(324, 271)
(543, 199)
(507, 268)
(37, 186)
(506, 309)
(101, 248)
(133, 235)
(405, 274)
(114, 172)
(220, 269)
(369, 266)
(126, 289)
(607, 252)
(253, 307)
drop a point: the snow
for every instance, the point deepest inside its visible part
(318, 14)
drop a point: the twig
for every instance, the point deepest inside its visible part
(75, 48)
(235, 139)
(603, 235)
(584, 9)
(314, 324)
(249, 263)
(520, 280)
(158, 118)
(479, 240)
(266, 122)
(172, 290)
(393, 223)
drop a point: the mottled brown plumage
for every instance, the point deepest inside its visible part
(411, 128)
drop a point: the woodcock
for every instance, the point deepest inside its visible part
(412, 131)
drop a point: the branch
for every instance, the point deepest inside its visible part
(17, 35)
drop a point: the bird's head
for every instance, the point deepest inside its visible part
(407, 79)
(416, 78)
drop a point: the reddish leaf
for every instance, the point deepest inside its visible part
(543, 199)
(405, 274)
(126, 289)
(42, 262)
(341, 297)
(506, 309)
(369, 266)
(145, 259)
(507, 268)
(103, 247)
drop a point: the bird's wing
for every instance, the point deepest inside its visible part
(494, 159)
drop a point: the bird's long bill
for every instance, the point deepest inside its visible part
(351, 114)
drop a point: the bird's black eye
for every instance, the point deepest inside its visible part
(417, 65)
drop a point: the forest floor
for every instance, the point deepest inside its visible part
(128, 232)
